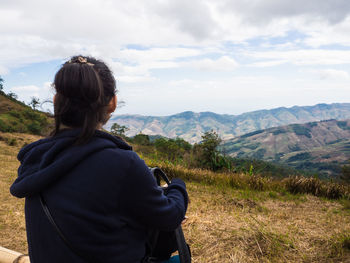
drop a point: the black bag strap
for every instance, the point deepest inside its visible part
(159, 174)
(60, 233)
(183, 248)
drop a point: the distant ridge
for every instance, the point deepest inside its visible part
(320, 146)
(190, 125)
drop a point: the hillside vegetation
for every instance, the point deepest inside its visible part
(320, 146)
(15, 116)
(190, 125)
(232, 217)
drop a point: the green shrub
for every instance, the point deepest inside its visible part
(343, 125)
(34, 127)
(278, 131)
(12, 142)
(252, 146)
(259, 154)
(301, 130)
(312, 124)
(299, 157)
(141, 139)
(172, 149)
(294, 148)
(252, 133)
(4, 127)
(15, 114)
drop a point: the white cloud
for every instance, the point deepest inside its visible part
(268, 63)
(134, 65)
(223, 63)
(158, 54)
(333, 74)
(41, 31)
(305, 56)
(3, 70)
(136, 79)
(193, 17)
(262, 11)
(26, 89)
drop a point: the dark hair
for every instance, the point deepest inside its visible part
(84, 87)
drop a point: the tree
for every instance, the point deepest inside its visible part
(206, 152)
(1, 85)
(172, 149)
(119, 130)
(34, 102)
(12, 95)
(345, 173)
(141, 139)
(183, 144)
(210, 142)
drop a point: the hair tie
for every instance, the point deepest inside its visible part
(81, 60)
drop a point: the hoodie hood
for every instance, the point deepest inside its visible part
(45, 161)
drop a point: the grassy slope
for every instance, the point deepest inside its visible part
(225, 224)
(18, 117)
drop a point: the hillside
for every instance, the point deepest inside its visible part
(191, 126)
(15, 116)
(226, 222)
(321, 146)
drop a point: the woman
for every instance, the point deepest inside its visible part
(100, 194)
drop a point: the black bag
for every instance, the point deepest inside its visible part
(163, 243)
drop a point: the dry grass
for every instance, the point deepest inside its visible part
(12, 224)
(233, 226)
(225, 224)
(315, 186)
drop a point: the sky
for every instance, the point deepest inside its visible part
(170, 56)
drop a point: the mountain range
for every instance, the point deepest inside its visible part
(191, 126)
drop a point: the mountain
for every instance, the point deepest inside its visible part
(320, 146)
(191, 126)
(15, 116)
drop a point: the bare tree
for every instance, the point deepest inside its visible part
(34, 102)
(12, 95)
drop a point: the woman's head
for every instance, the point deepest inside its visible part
(84, 88)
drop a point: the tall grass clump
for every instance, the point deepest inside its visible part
(294, 185)
(259, 183)
(314, 186)
(222, 179)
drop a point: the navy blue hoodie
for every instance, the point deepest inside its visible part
(101, 195)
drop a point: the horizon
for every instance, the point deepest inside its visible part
(281, 107)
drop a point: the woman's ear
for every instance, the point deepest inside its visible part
(112, 104)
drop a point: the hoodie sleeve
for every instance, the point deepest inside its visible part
(144, 199)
